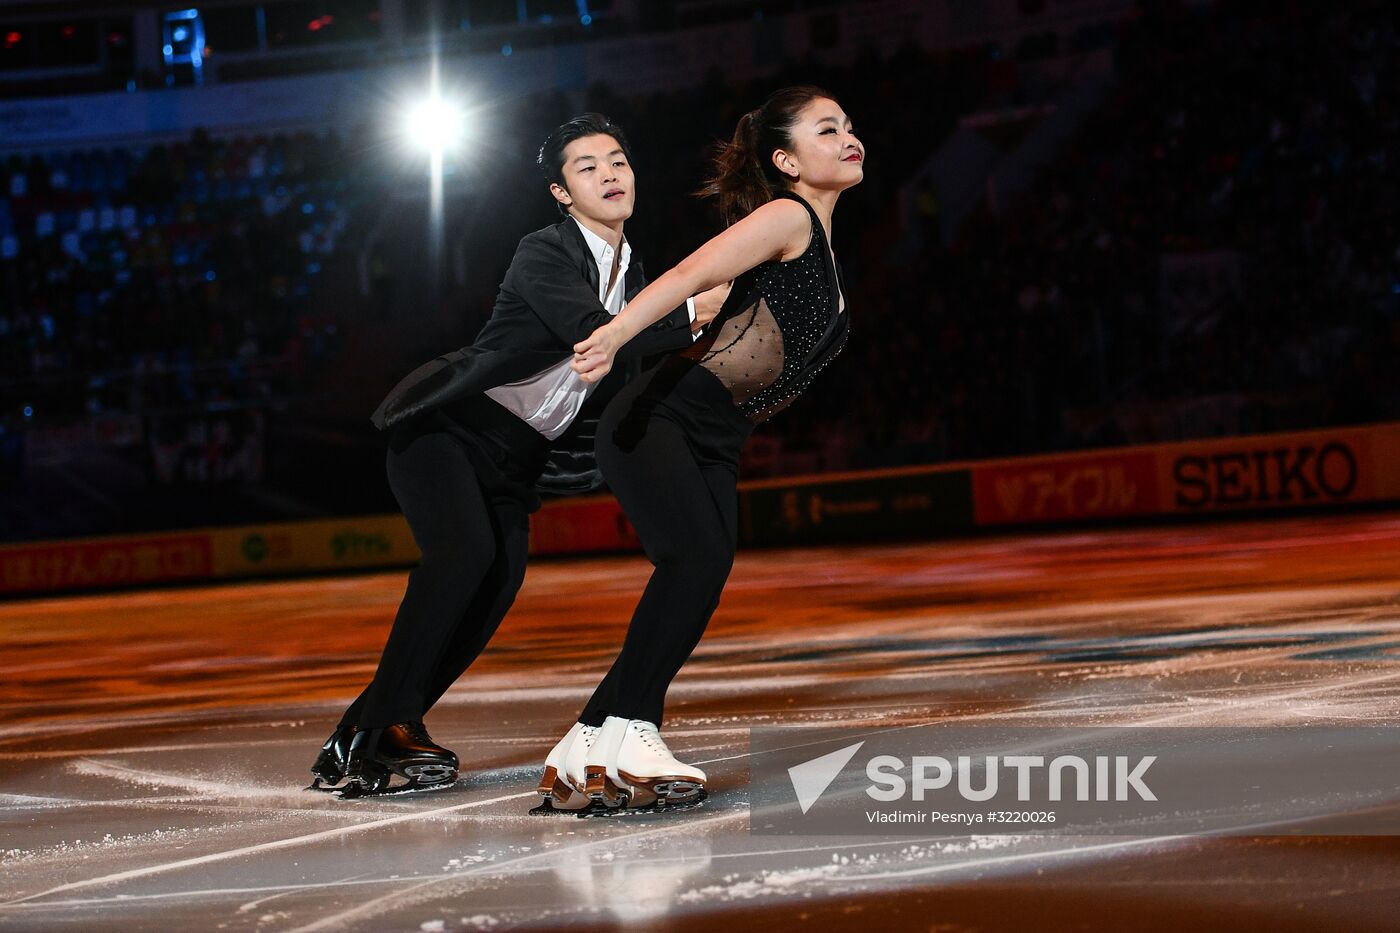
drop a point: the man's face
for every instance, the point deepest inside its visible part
(598, 180)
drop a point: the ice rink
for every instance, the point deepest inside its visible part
(154, 745)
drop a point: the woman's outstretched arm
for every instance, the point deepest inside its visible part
(778, 227)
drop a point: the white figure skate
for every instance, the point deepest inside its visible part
(630, 765)
(562, 784)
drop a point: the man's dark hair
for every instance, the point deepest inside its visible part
(551, 155)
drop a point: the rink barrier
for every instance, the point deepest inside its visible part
(1273, 472)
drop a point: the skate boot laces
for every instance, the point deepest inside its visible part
(651, 735)
(575, 758)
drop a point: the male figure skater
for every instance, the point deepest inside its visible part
(474, 433)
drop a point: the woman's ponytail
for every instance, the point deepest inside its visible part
(736, 178)
(742, 174)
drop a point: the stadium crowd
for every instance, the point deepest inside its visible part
(175, 277)
(1216, 253)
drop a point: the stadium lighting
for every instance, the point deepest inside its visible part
(435, 125)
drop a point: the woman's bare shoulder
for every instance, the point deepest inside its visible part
(789, 221)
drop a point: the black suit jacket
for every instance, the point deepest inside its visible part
(547, 302)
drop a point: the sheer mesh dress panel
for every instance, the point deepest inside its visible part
(783, 329)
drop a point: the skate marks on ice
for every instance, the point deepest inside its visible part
(574, 872)
(127, 813)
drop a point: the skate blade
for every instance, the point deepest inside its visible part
(323, 786)
(603, 791)
(356, 791)
(430, 774)
(675, 792)
(657, 806)
(610, 797)
(550, 807)
(666, 788)
(380, 782)
(353, 789)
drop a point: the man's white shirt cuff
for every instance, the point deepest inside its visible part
(690, 308)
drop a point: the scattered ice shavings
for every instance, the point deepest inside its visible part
(169, 838)
(433, 926)
(784, 879)
(768, 882)
(481, 921)
(464, 860)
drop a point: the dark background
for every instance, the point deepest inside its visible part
(1213, 251)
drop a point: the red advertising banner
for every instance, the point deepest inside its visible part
(1267, 471)
(1065, 488)
(84, 565)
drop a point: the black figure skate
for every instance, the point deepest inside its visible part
(404, 749)
(328, 773)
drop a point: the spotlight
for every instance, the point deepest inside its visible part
(435, 125)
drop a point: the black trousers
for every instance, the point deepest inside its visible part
(467, 503)
(669, 446)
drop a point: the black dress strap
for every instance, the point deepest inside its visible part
(833, 274)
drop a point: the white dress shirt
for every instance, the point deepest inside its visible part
(549, 401)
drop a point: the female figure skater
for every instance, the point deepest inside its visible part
(668, 444)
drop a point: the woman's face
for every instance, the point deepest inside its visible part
(825, 152)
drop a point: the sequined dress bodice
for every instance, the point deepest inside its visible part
(779, 328)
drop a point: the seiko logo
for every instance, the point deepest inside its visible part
(1299, 474)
